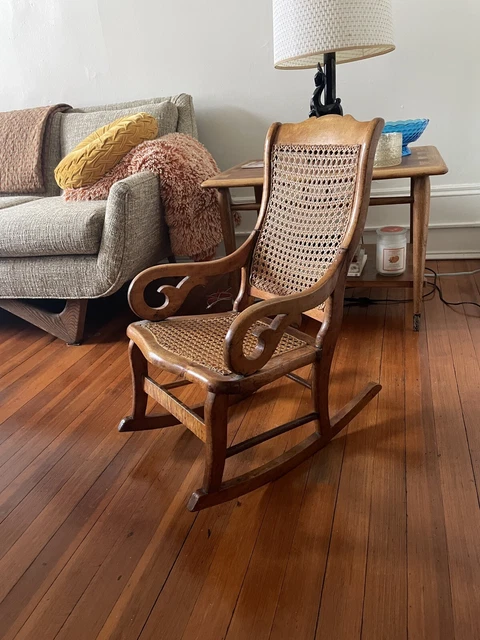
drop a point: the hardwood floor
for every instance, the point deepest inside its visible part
(377, 537)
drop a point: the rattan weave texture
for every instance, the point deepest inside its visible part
(201, 339)
(308, 212)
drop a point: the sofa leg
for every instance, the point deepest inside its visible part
(67, 325)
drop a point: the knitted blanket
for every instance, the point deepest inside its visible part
(21, 148)
(181, 164)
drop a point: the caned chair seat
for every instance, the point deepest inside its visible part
(316, 192)
(200, 340)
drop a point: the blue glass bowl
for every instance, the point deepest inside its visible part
(411, 131)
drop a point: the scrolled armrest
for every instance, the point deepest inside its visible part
(287, 311)
(192, 274)
(268, 337)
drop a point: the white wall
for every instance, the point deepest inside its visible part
(95, 51)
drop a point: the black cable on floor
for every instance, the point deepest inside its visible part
(440, 293)
(366, 301)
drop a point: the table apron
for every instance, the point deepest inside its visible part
(374, 202)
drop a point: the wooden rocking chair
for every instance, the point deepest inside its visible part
(317, 187)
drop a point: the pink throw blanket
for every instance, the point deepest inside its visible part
(22, 148)
(181, 164)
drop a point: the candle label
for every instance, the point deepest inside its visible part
(394, 259)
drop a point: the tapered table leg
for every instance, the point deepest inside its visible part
(258, 194)
(228, 230)
(411, 211)
(421, 217)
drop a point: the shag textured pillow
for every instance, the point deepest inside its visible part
(103, 149)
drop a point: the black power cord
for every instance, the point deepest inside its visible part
(437, 288)
(366, 301)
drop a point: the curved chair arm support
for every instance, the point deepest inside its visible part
(287, 311)
(194, 274)
(326, 322)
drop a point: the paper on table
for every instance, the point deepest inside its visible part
(256, 164)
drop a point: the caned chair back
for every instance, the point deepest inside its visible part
(317, 187)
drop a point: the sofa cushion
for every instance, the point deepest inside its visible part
(51, 227)
(11, 201)
(77, 126)
(184, 103)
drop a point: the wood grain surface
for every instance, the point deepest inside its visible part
(375, 537)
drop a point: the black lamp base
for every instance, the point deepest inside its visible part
(325, 81)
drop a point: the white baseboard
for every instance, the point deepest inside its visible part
(453, 255)
(437, 190)
(440, 225)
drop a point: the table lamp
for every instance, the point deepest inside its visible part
(324, 33)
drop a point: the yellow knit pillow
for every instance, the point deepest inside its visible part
(103, 149)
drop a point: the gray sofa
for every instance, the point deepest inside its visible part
(76, 251)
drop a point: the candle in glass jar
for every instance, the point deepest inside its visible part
(391, 251)
(389, 150)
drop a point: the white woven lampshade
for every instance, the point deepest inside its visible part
(304, 30)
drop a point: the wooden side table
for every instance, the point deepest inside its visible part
(418, 167)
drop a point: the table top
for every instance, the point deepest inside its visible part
(424, 161)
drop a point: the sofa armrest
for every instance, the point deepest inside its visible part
(135, 235)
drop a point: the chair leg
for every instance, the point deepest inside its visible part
(327, 427)
(139, 369)
(216, 416)
(139, 421)
(322, 367)
(320, 389)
